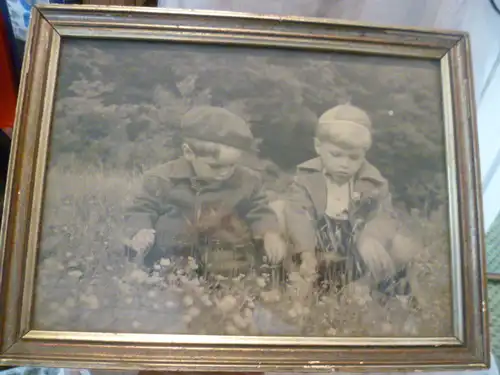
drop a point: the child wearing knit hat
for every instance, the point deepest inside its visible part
(339, 214)
(207, 181)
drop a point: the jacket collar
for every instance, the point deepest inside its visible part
(366, 172)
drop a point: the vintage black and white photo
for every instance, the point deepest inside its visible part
(201, 189)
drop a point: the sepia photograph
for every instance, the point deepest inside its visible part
(215, 190)
(203, 191)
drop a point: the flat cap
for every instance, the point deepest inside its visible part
(218, 125)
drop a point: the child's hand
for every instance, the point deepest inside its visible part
(275, 247)
(143, 240)
(376, 258)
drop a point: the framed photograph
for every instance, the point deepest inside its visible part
(231, 192)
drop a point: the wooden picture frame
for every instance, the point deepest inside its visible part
(52, 27)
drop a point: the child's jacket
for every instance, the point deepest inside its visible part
(370, 210)
(172, 198)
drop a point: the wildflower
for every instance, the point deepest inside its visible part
(75, 274)
(205, 299)
(170, 304)
(165, 262)
(151, 294)
(227, 304)
(139, 276)
(261, 282)
(187, 301)
(194, 312)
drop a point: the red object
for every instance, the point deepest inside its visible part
(8, 94)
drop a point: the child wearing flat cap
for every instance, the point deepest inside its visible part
(206, 180)
(339, 214)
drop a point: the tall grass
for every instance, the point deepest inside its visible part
(85, 282)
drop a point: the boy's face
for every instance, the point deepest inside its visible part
(341, 163)
(212, 161)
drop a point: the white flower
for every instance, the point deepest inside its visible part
(205, 299)
(151, 294)
(165, 262)
(227, 304)
(187, 301)
(75, 274)
(194, 312)
(261, 282)
(170, 305)
(139, 276)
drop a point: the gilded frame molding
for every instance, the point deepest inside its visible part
(20, 345)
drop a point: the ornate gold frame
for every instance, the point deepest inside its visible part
(20, 344)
